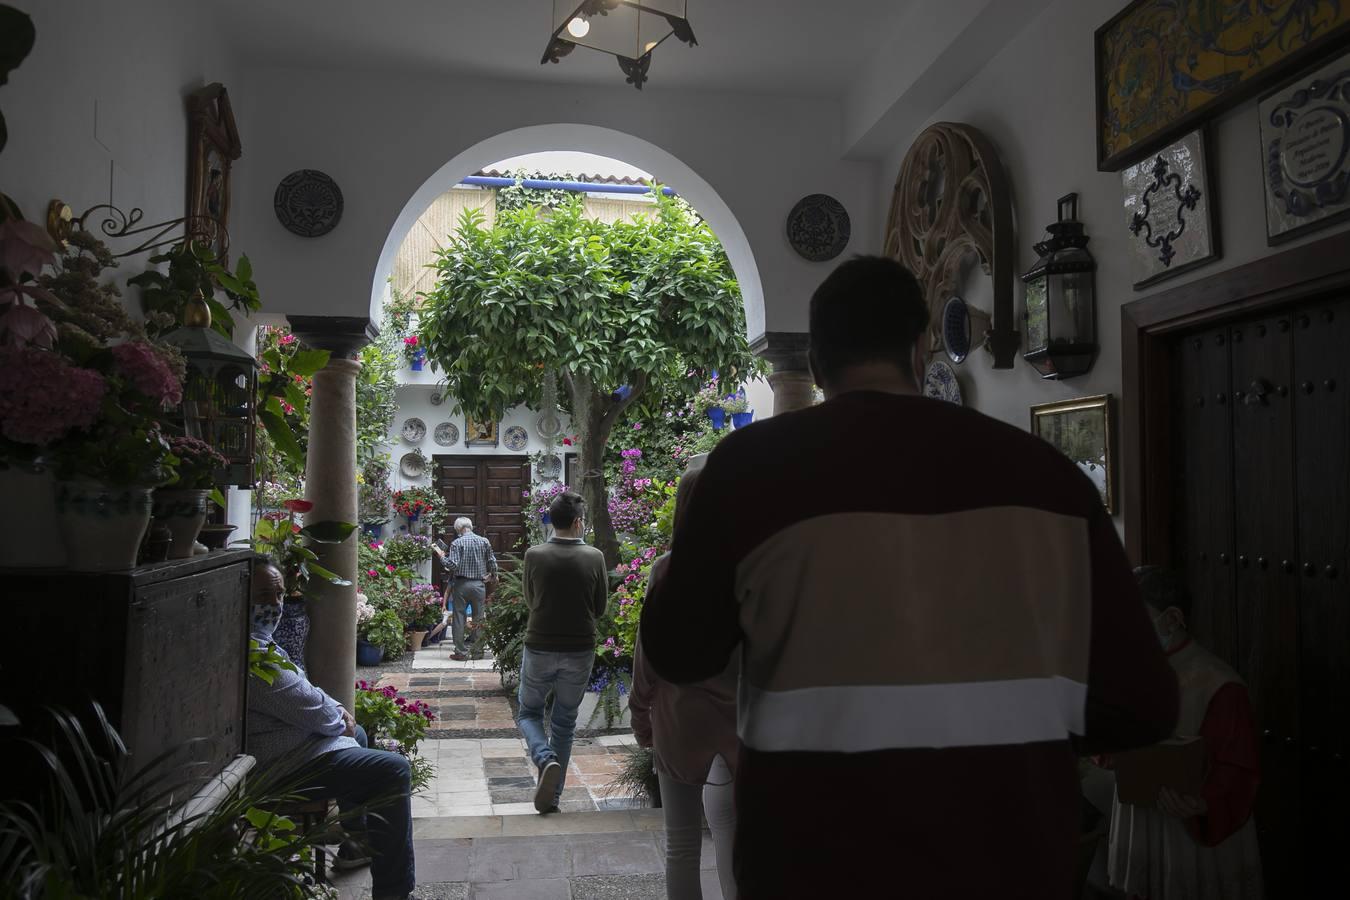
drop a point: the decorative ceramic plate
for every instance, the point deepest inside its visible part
(308, 203)
(515, 438)
(956, 329)
(414, 430)
(940, 382)
(549, 425)
(412, 465)
(549, 466)
(437, 398)
(818, 227)
(445, 434)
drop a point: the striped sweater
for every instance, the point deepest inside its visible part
(928, 637)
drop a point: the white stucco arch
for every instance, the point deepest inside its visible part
(602, 142)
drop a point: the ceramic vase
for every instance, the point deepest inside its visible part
(415, 640)
(102, 525)
(29, 535)
(184, 511)
(418, 361)
(742, 419)
(718, 415)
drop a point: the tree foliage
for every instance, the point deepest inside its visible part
(650, 304)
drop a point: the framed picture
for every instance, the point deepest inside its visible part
(1169, 211)
(213, 146)
(1305, 151)
(480, 434)
(1082, 430)
(1165, 67)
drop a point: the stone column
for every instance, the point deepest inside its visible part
(330, 484)
(791, 377)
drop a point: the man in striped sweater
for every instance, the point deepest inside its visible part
(925, 648)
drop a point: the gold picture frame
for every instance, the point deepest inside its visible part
(213, 147)
(1083, 429)
(480, 434)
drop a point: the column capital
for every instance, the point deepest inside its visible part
(343, 336)
(785, 350)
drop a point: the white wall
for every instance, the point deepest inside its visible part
(383, 136)
(1035, 101)
(102, 97)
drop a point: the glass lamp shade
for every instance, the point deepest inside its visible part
(627, 29)
(1061, 323)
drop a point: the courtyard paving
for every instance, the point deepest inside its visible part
(475, 830)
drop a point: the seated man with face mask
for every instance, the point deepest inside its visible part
(295, 725)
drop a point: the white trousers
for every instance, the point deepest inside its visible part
(685, 806)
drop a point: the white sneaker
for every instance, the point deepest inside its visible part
(547, 792)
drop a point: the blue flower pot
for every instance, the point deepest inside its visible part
(740, 420)
(418, 361)
(367, 654)
(372, 531)
(718, 415)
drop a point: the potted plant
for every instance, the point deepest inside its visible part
(422, 608)
(374, 500)
(738, 408)
(384, 630)
(367, 652)
(181, 504)
(396, 723)
(412, 502)
(414, 352)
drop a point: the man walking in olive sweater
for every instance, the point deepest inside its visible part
(566, 588)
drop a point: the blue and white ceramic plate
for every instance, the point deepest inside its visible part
(956, 329)
(445, 434)
(940, 383)
(515, 438)
(414, 430)
(549, 466)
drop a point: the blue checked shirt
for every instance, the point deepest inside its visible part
(471, 557)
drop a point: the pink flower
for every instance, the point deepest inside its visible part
(372, 573)
(389, 568)
(567, 442)
(298, 506)
(286, 406)
(148, 373)
(43, 398)
(287, 339)
(637, 426)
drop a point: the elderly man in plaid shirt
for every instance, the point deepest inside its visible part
(472, 564)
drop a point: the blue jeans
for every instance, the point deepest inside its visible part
(567, 674)
(358, 776)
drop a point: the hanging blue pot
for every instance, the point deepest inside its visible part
(372, 530)
(742, 419)
(718, 415)
(418, 361)
(368, 654)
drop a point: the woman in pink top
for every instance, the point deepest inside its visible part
(692, 731)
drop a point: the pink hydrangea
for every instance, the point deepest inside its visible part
(148, 373)
(43, 398)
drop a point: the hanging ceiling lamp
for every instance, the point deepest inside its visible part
(628, 29)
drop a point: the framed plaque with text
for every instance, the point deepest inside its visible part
(1305, 149)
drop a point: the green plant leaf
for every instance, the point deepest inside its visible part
(328, 532)
(329, 576)
(306, 362)
(217, 498)
(281, 435)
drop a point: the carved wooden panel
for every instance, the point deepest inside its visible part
(951, 203)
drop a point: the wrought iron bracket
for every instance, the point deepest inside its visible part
(116, 223)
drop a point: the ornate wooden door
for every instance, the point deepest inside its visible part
(487, 489)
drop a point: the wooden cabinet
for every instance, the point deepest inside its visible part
(162, 647)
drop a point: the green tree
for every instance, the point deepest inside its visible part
(651, 305)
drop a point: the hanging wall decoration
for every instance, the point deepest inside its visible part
(1169, 211)
(515, 438)
(480, 434)
(818, 228)
(212, 146)
(308, 203)
(951, 205)
(1082, 430)
(1305, 148)
(940, 383)
(1165, 67)
(445, 434)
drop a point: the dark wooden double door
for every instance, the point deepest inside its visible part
(1262, 407)
(489, 490)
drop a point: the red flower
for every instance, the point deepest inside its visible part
(299, 506)
(295, 529)
(567, 442)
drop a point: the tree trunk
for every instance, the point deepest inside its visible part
(594, 423)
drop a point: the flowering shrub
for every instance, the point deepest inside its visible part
(406, 551)
(633, 499)
(393, 722)
(413, 349)
(383, 629)
(534, 513)
(422, 607)
(198, 462)
(147, 372)
(43, 398)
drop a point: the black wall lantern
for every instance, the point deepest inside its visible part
(1061, 299)
(628, 29)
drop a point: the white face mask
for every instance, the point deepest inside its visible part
(1166, 639)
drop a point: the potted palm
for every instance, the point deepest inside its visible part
(181, 504)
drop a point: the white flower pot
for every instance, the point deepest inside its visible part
(29, 535)
(102, 525)
(183, 510)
